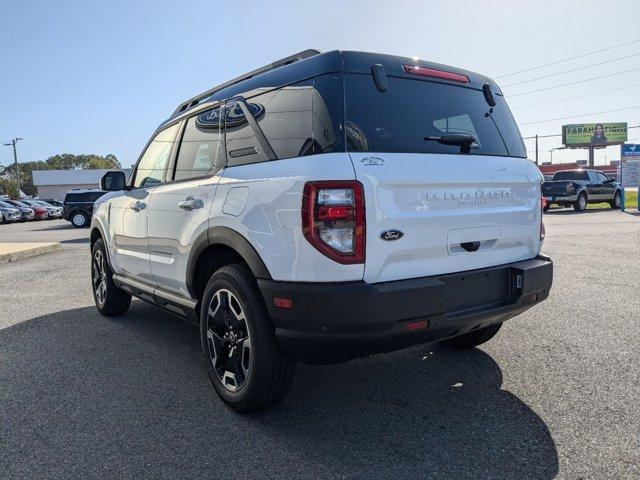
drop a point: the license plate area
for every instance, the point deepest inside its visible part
(477, 289)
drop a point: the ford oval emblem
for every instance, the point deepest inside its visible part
(390, 235)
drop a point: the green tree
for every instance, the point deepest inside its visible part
(8, 187)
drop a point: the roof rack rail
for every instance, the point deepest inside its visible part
(192, 102)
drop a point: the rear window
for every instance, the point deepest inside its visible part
(568, 175)
(399, 119)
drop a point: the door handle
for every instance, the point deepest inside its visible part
(137, 206)
(190, 203)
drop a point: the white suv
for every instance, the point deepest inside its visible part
(326, 207)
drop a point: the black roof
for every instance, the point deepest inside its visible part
(311, 63)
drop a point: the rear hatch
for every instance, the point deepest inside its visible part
(434, 208)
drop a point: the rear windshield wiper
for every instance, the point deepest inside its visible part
(462, 140)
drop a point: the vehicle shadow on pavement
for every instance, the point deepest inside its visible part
(84, 396)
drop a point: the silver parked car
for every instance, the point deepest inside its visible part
(26, 212)
(8, 213)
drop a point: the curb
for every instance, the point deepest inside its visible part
(13, 252)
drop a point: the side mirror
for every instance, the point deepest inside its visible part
(112, 181)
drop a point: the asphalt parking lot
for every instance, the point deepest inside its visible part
(555, 395)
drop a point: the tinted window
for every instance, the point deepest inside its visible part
(6, 205)
(84, 197)
(399, 119)
(199, 153)
(601, 177)
(571, 175)
(93, 196)
(152, 167)
(301, 119)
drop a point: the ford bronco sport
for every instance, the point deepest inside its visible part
(326, 207)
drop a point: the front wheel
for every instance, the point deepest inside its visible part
(80, 219)
(110, 300)
(617, 201)
(472, 339)
(244, 362)
(581, 203)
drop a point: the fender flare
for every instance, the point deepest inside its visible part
(232, 239)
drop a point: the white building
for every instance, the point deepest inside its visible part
(54, 184)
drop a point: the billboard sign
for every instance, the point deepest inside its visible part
(594, 134)
(630, 164)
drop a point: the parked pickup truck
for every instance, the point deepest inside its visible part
(580, 187)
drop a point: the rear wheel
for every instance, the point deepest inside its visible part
(546, 206)
(472, 339)
(581, 203)
(617, 201)
(79, 219)
(244, 362)
(110, 300)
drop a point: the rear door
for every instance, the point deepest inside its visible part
(454, 210)
(595, 187)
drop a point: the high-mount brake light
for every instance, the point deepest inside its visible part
(433, 73)
(333, 219)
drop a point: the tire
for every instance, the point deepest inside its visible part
(2, 219)
(581, 203)
(546, 207)
(617, 201)
(472, 339)
(110, 300)
(244, 362)
(79, 219)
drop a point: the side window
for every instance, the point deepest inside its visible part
(199, 153)
(152, 167)
(301, 119)
(592, 177)
(601, 177)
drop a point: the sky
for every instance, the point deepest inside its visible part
(98, 77)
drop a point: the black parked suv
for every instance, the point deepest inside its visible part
(78, 206)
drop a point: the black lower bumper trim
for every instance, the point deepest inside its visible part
(333, 322)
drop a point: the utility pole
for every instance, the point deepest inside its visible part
(15, 160)
(536, 149)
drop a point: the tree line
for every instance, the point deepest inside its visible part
(65, 161)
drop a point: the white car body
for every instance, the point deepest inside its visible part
(427, 217)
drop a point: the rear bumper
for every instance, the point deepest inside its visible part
(334, 322)
(568, 199)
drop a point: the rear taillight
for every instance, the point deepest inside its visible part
(543, 203)
(433, 73)
(333, 219)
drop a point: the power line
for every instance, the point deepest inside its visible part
(572, 98)
(567, 59)
(571, 70)
(573, 83)
(581, 115)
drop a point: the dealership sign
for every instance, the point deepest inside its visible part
(630, 164)
(594, 134)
